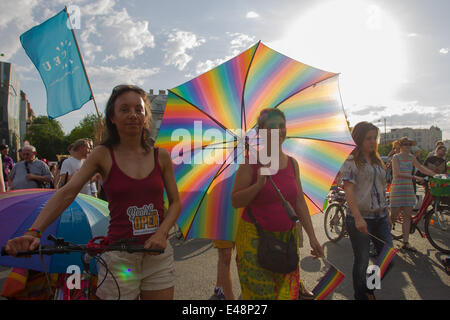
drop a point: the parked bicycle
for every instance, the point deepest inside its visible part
(93, 250)
(435, 212)
(334, 219)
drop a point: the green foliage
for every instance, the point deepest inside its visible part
(85, 129)
(47, 136)
(384, 149)
(49, 139)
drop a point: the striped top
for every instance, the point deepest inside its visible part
(402, 190)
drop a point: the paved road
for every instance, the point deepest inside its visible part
(416, 276)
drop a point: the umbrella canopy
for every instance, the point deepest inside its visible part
(205, 119)
(85, 218)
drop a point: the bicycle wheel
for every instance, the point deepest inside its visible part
(334, 222)
(397, 228)
(437, 229)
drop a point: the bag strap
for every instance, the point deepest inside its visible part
(26, 167)
(279, 193)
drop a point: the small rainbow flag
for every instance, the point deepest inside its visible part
(328, 283)
(384, 259)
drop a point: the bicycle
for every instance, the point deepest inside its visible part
(436, 215)
(92, 250)
(334, 219)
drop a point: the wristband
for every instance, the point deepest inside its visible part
(39, 232)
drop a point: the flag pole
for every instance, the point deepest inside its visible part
(82, 62)
(99, 129)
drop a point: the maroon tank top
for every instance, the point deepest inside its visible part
(267, 206)
(136, 206)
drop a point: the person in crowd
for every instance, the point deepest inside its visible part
(402, 196)
(20, 154)
(2, 182)
(436, 162)
(436, 145)
(7, 163)
(395, 150)
(79, 152)
(415, 151)
(136, 176)
(29, 173)
(364, 177)
(253, 191)
(224, 285)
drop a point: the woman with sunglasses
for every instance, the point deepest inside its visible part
(135, 177)
(402, 196)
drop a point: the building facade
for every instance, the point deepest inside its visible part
(425, 138)
(15, 110)
(158, 104)
(10, 108)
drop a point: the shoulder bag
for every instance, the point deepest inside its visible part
(273, 254)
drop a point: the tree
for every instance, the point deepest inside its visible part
(47, 136)
(384, 149)
(85, 129)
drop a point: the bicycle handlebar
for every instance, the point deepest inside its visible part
(65, 247)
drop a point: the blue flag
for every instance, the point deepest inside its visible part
(52, 48)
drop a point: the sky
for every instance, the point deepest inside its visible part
(393, 56)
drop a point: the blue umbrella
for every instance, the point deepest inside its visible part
(85, 218)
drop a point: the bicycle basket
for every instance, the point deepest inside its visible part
(440, 187)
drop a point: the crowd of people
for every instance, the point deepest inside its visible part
(132, 173)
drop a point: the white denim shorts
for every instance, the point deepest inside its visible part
(135, 272)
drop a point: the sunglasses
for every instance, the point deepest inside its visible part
(407, 144)
(120, 87)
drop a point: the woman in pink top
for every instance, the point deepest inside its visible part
(135, 176)
(252, 190)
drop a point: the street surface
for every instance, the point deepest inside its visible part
(416, 276)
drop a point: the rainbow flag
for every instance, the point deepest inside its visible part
(328, 283)
(384, 259)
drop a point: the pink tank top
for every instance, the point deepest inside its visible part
(267, 206)
(136, 206)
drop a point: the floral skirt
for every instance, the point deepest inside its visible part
(258, 283)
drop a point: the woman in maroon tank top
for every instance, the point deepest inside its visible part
(135, 176)
(252, 190)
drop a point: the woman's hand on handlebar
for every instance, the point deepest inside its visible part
(23, 243)
(157, 241)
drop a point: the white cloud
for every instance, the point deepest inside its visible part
(252, 15)
(106, 77)
(412, 35)
(238, 43)
(177, 45)
(109, 57)
(15, 18)
(207, 65)
(131, 36)
(443, 51)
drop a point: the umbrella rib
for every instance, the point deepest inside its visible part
(323, 140)
(245, 84)
(206, 191)
(312, 202)
(302, 89)
(217, 122)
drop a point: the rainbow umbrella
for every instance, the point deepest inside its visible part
(206, 118)
(85, 218)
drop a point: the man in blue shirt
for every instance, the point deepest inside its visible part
(29, 173)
